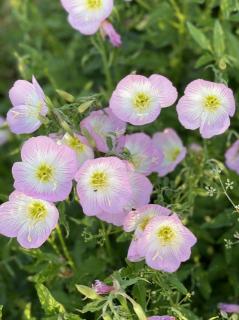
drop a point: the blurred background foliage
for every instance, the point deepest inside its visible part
(183, 40)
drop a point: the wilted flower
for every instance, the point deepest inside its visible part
(28, 219)
(143, 154)
(161, 318)
(103, 185)
(4, 133)
(232, 157)
(170, 145)
(102, 124)
(138, 100)
(208, 106)
(86, 16)
(46, 171)
(137, 221)
(29, 106)
(141, 191)
(102, 288)
(108, 30)
(80, 146)
(229, 308)
(165, 243)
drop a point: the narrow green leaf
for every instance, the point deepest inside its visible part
(218, 39)
(199, 37)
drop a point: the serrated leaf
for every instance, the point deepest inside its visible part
(199, 37)
(48, 303)
(218, 39)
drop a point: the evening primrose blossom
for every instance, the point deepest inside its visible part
(103, 185)
(138, 99)
(137, 220)
(79, 145)
(101, 124)
(46, 171)
(30, 220)
(165, 243)
(86, 16)
(29, 106)
(232, 157)
(144, 156)
(208, 106)
(170, 145)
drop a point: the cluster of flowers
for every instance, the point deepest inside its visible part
(109, 187)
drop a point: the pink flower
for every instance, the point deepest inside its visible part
(86, 16)
(144, 156)
(229, 308)
(103, 185)
(46, 171)
(28, 219)
(102, 288)
(138, 100)
(4, 133)
(102, 124)
(161, 318)
(109, 31)
(137, 221)
(141, 191)
(208, 106)
(29, 106)
(232, 157)
(80, 146)
(170, 145)
(165, 243)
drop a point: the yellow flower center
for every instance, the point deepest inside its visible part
(141, 102)
(144, 222)
(94, 4)
(76, 144)
(166, 234)
(174, 153)
(44, 173)
(99, 180)
(211, 103)
(37, 210)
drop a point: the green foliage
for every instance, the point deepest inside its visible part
(184, 40)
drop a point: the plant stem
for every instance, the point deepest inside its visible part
(64, 248)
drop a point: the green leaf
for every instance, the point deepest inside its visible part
(87, 292)
(1, 307)
(93, 306)
(199, 37)
(204, 60)
(48, 303)
(218, 39)
(177, 284)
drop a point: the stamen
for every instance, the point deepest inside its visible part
(141, 102)
(44, 173)
(212, 103)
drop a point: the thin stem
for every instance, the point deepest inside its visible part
(64, 248)
(100, 46)
(226, 194)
